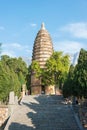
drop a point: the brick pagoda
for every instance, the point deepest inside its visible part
(42, 50)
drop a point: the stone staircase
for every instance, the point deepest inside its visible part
(42, 112)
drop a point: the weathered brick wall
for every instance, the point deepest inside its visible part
(3, 114)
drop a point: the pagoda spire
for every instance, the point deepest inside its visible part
(43, 26)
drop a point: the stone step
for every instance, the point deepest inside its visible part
(41, 112)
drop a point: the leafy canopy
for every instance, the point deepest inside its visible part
(13, 73)
(55, 69)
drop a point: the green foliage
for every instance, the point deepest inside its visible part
(55, 69)
(76, 83)
(0, 48)
(28, 78)
(5, 82)
(13, 73)
(35, 67)
(80, 75)
(47, 77)
(68, 85)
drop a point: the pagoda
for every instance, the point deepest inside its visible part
(42, 50)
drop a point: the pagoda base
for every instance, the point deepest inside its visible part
(48, 90)
(35, 90)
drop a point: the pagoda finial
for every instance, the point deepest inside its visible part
(43, 26)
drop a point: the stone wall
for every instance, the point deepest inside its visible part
(3, 114)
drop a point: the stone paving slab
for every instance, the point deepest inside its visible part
(42, 112)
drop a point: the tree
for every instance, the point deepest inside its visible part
(0, 48)
(28, 78)
(56, 68)
(68, 85)
(80, 75)
(5, 82)
(35, 67)
(13, 73)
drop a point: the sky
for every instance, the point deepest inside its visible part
(20, 20)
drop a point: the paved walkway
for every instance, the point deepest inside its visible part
(42, 112)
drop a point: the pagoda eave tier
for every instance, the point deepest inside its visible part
(43, 47)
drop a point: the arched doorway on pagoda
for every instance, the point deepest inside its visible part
(42, 89)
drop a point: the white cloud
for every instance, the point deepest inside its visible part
(9, 53)
(69, 46)
(27, 60)
(1, 28)
(12, 46)
(33, 24)
(28, 51)
(78, 30)
(15, 49)
(16, 45)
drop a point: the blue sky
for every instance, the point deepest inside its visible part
(20, 20)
